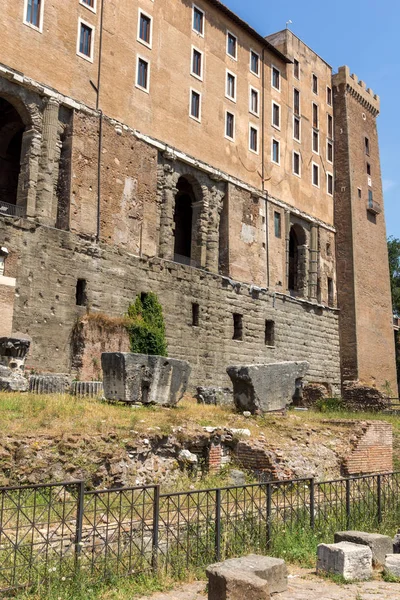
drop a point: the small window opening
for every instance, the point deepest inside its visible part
(367, 146)
(195, 314)
(328, 249)
(81, 296)
(330, 291)
(269, 333)
(277, 224)
(296, 68)
(368, 169)
(237, 327)
(359, 192)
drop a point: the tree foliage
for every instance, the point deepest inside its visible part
(394, 266)
(146, 326)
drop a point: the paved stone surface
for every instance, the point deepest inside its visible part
(303, 585)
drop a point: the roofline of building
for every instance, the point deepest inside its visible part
(236, 19)
(306, 45)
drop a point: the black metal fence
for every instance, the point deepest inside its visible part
(61, 529)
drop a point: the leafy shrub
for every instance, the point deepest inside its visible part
(146, 326)
(330, 405)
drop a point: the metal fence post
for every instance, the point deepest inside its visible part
(347, 503)
(312, 503)
(79, 521)
(218, 525)
(379, 498)
(269, 516)
(156, 522)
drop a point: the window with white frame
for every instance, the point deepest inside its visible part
(195, 105)
(231, 45)
(91, 4)
(254, 102)
(198, 20)
(255, 63)
(253, 139)
(314, 83)
(85, 42)
(197, 63)
(315, 142)
(143, 74)
(315, 174)
(329, 151)
(329, 184)
(296, 163)
(230, 86)
(230, 125)
(296, 102)
(329, 96)
(33, 14)
(276, 152)
(276, 78)
(144, 28)
(276, 115)
(296, 128)
(330, 126)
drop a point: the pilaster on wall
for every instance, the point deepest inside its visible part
(46, 209)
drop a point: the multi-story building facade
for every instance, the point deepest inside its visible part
(168, 146)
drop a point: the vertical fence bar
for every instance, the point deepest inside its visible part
(379, 498)
(156, 528)
(312, 503)
(218, 525)
(79, 521)
(269, 516)
(348, 507)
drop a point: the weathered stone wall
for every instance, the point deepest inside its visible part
(372, 449)
(51, 261)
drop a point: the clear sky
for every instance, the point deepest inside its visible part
(363, 34)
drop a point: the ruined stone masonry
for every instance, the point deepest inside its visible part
(111, 186)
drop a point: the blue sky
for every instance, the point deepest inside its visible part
(363, 34)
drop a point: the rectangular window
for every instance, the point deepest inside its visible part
(368, 169)
(315, 84)
(367, 146)
(330, 126)
(85, 40)
(195, 314)
(315, 116)
(276, 79)
(296, 68)
(198, 20)
(231, 45)
(253, 142)
(144, 29)
(359, 192)
(315, 175)
(296, 163)
(269, 333)
(329, 96)
(230, 126)
(254, 101)
(315, 142)
(90, 4)
(276, 158)
(237, 327)
(277, 224)
(329, 152)
(370, 197)
(276, 115)
(33, 15)
(330, 292)
(195, 105)
(296, 128)
(296, 102)
(329, 183)
(231, 86)
(81, 292)
(254, 63)
(197, 63)
(143, 74)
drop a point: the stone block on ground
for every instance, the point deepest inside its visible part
(380, 545)
(265, 568)
(227, 584)
(214, 395)
(266, 388)
(392, 565)
(12, 380)
(352, 561)
(145, 379)
(50, 383)
(92, 389)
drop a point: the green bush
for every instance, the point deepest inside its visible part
(330, 405)
(146, 326)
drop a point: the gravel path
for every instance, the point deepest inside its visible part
(303, 585)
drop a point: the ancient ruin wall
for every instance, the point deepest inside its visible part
(51, 261)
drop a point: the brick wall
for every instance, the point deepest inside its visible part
(373, 450)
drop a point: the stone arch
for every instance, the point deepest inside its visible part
(297, 280)
(12, 128)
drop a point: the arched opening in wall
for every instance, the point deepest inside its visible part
(183, 220)
(297, 260)
(11, 132)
